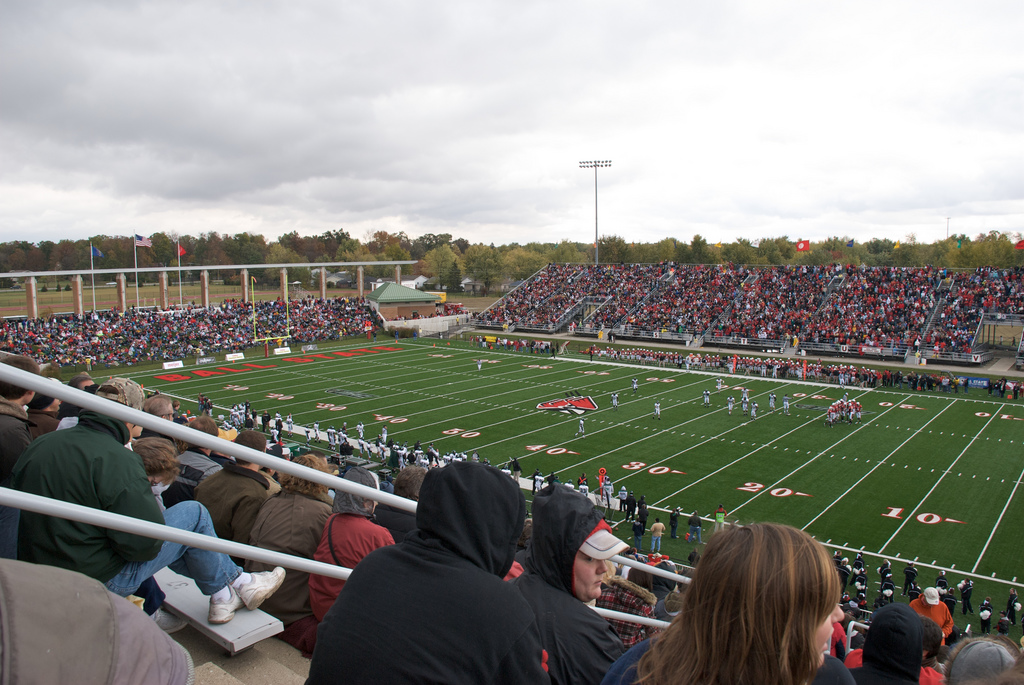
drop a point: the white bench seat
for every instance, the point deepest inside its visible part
(184, 599)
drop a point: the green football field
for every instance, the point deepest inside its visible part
(928, 477)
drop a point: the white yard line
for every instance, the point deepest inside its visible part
(859, 480)
(910, 516)
(998, 521)
(735, 461)
(815, 457)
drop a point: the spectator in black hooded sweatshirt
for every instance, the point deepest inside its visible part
(564, 567)
(893, 648)
(434, 609)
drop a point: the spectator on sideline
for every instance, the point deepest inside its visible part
(434, 609)
(397, 521)
(564, 567)
(89, 465)
(694, 523)
(234, 495)
(758, 589)
(15, 435)
(292, 522)
(657, 530)
(348, 536)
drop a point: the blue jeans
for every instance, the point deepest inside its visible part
(695, 534)
(638, 542)
(212, 571)
(656, 544)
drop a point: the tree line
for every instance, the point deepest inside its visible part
(448, 259)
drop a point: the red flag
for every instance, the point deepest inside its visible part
(803, 246)
(181, 251)
(1020, 245)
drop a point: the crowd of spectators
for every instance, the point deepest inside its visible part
(879, 307)
(694, 298)
(777, 305)
(922, 308)
(625, 285)
(518, 303)
(139, 335)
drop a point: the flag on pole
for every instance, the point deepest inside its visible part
(181, 251)
(718, 245)
(95, 252)
(142, 242)
(803, 246)
(849, 243)
(897, 246)
(959, 243)
(1019, 246)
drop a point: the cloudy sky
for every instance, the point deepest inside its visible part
(728, 119)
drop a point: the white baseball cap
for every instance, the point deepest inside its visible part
(602, 543)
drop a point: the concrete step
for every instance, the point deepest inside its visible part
(211, 674)
(270, 662)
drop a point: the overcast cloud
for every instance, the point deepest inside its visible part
(728, 119)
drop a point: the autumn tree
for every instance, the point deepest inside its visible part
(483, 264)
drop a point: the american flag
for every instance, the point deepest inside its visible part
(142, 242)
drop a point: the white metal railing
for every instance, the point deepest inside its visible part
(157, 531)
(188, 435)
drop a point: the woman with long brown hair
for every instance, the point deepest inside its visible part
(759, 611)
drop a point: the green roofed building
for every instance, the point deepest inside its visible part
(395, 301)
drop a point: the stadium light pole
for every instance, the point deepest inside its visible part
(595, 165)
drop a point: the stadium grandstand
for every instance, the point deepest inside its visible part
(884, 312)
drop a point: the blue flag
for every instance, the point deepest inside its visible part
(95, 252)
(849, 244)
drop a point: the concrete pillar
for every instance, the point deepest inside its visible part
(31, 298)
(76, 295)
(284, 283)
(245, 285)
(359, 271)
(204, 288)
(398, 274)
(162, 281)
(323, 283)
(122, 292)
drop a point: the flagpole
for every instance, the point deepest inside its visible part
(92, 269)
(135, 242)
(181, 298)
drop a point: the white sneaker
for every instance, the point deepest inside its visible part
(261, 586)
(168, 622)
(222, 612)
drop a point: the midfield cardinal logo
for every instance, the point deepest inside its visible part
(570, 405)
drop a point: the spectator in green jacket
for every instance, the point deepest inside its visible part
(89, 465)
